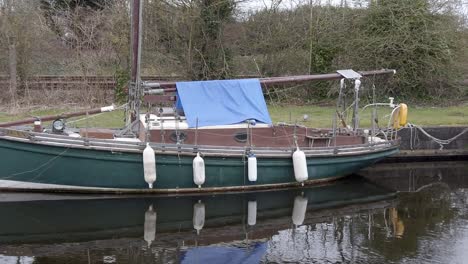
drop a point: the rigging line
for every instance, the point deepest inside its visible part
(256, 135)
(285, 136)
(49, 162)
(283, 90)
(39, 167)
(288, 137)
(93, 116)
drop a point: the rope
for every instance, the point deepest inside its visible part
(439, 141)
(39, 167)
(46, 165)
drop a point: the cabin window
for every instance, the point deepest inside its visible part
(240, 137)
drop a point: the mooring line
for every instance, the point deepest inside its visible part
(33, 170)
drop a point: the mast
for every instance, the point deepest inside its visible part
(134, 93)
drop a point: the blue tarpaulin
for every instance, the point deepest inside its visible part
(222, 102)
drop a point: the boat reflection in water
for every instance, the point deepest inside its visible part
(221, 228)
(419, 216)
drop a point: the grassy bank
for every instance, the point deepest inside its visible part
(317, 116)
(322, 116)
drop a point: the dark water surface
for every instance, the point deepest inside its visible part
(392, 213)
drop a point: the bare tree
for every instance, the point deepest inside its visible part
(10, 43)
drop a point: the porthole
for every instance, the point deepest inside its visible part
(240, 137)
(182, 137)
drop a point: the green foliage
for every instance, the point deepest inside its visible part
(426, 41)
(426, 44)
(420, 43)
(323, 57)
(212, 59)
(122, 77)
(189, 34)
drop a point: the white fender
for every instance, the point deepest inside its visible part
(252, 213)
(198, 170)
(150, 225)
(149, 165)
(198, 216)
(300, 165)
(252, 168)
(299, 210)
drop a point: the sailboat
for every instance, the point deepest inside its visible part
(215, 136)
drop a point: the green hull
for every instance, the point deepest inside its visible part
(100, 170)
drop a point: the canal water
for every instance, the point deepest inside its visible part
(390, 213)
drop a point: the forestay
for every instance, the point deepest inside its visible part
(222, 102)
